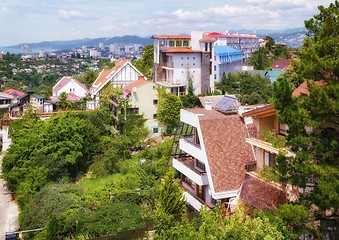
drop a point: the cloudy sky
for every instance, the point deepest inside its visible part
(44, 20)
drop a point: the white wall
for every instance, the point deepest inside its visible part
(143, 98)
(72, 87)
(184, 62)
(125, 76)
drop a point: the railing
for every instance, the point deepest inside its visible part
(189, 162)
(190, 140)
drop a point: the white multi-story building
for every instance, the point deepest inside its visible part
(212, 156)
(178, 58)
(246, 43)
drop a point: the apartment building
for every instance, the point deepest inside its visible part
(178, 58)
(246, 43)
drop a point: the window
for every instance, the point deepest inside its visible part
(70, 90)
(154, 116)
(155, 101)
(188, 57)
(215, 68)
(269, 159)
(200, 165)
(182, 58)
(193, 57)
(155, 130)
(283, 128)
(182, 64)
(215, 76)
(193, 64)
(133, 110)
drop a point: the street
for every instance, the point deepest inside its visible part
(9, 210)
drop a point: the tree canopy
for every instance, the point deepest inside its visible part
(250, 89)
(313, 119)
(145, 64)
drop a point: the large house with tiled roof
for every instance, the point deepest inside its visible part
(212, 156)
(122, 74)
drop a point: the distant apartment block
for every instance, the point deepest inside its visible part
(26, 48)
(246, 43)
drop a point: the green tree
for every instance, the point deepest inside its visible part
(63, 102)
(250, 89)
(89, 77)
(145, 64)
(213, 225)
(190, 100)
(171, 203)
(313, 120)
(168, 112)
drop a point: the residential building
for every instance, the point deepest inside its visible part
(142, 99)
(35, 101)
(180, 58)
(70, 85)
(281, 64)
(265, 152)
(122, 74)
(246, 43)
(226, 59)
(211, 154)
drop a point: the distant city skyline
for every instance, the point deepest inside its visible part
(32, 21)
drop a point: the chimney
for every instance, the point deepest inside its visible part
(208, 105)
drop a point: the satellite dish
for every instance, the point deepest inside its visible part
(134, 89)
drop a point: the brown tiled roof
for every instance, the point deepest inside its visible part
(187, 37)
(141, 81)
(12, 91)
(281, 64)
(303, 89)
(226, 149)
(180, 50)
(260, 194)
(266, 110)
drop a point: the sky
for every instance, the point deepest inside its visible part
(30, 21)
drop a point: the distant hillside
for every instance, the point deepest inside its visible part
(292, 37)
(63, 45)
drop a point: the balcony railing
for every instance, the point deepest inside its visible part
(192, 193)
(190, 140)
(189, 162)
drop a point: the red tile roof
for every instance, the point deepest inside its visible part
(226, 149)
(180, 50)
(207, 39)
(228, 34)
(12, 91)
(303, 89)
(185, 37)
(102, 78)
(260, 194)
(281, 64)
(141, 81)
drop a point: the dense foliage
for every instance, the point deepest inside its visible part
(266, 55)
(313, 119)
(213, 225)
(250, 89)
(145, 64)
(168, 112)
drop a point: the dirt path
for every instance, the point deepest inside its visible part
(9, 210)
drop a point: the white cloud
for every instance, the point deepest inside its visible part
(4, 9)
(72, 15)
(187, 15)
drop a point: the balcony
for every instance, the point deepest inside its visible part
(194, 200)
(192, 148)
(186, 167)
